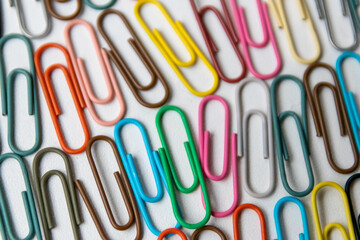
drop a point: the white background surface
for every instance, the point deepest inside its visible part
(221, 193)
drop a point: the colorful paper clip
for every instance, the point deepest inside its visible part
(229, 151)
(267, 134)
(7, 95)
(50, 8)
(48, 91)
(258, 211)
(302, 127)
(82, 76)
(6, 226)
(167, 52)
(172, 178)
(43, 195)
(246, 41)
(228, 28)
(100, 7)
(353, 6)
(141, 197)
(323, 235)
(279, 205)
(135, 86)
(195, 235)
(355, 219)
(313, 97)
(125, 189)
(279, 13)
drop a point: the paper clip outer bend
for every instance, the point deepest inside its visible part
(169, 231)
(82, 75)
(213, 49)
(50, 8)
(278, 207)
(258, 211)
(243, 119)
(313, 97)
(134, 85)
(159, 177)
(100, 7)
(302, 127)
(125, 189)
(355, 219)
(169, 55)
(7, 95)
(195, 235)
(42, 193)
(45, 82)
(246, 41)
(7, 231)
(230, 153)
(279, 13)
(323, 235)
(172, 178)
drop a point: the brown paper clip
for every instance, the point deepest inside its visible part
(50, 8)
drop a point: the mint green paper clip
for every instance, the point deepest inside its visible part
(99, 7)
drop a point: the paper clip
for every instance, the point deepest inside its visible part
(7, 231)
(172, 178)
(141, 197)
(353, 5)
(323, 15)
(45, 82)
(355, 219)
(228, 27)
(258, 211)
(313, 97)
(302, 127)
(144, 56)
(267, 134)
(167, 52)
(99, 7)
(195, 235)
(279, 205)
(323, 235)
(82, 76)
(51, 10)
(279, 12)
(42, 192)
(125, 189)
(7, 94)
(246, 41)
(229, 148)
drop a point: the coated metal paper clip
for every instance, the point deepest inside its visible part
(195, 235)
(159, 177)
(50, 8)
(355, 219)
(99, 7)
(313, 97)
(246, 41)
(278, 207)
(229, 151)
(42, 193)
(228, 28)
(167, 52)
(172, 179)
(135, 86)
(243, 119)
(6, 226)
(8, 94)
(82, 75)
(353, 5)
(48, 91)
(125, 189)
(280, 141)
(279, 13)
(323, 235)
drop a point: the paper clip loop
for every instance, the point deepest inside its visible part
(45, 82)
(51, 10)
(279, 13)
(141, 197)
(169, 55)
(302, 127)
(258, 211)
(228, 27)
(229, 148)
(324, 235)
(7, 95)
(100, 7)
(7, 231)
(68, 188)
(313, 97)
(144, 56)
(246, 41)
(195, 235)
(279, 205)
(267, 134)
(124, 186)
(172, 178)
(355, 219)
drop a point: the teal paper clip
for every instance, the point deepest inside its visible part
(100, 7)
(353, 5)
